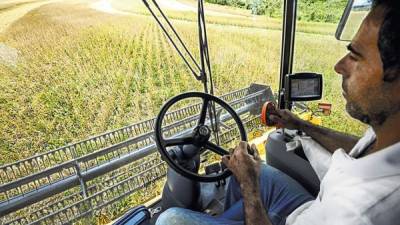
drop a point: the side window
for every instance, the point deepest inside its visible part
(317, 50)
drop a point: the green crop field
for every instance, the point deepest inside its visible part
(80, 71)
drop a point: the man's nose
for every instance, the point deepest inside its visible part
(340, 67)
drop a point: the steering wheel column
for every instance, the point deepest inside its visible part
(182, 148)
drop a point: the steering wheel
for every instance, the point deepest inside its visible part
(199, 137)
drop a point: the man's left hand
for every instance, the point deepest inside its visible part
(245, 166)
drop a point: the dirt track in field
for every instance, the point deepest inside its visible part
(11, 11)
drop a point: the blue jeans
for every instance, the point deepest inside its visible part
(280, 194)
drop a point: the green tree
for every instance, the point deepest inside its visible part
(266, 7)
(309, 10)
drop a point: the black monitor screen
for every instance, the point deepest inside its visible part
(302, 88)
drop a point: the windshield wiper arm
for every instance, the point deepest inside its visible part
(198, 75)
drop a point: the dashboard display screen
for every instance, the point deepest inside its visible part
(303, 88)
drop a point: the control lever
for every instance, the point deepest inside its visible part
(216, 168)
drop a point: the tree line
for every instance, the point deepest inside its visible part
(309, 10)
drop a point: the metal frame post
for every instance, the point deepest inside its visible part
(287, 50)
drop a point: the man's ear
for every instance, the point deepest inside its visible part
(391, 74)
(391, 85)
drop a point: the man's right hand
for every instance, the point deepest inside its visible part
(285, 118)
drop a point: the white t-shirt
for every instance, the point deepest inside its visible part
(356, 191)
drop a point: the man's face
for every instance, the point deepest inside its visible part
(368, 97)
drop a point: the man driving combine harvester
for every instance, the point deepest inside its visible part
(362, 182)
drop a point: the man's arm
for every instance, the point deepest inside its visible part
(328, 138)
(254, 210)
(246, 169)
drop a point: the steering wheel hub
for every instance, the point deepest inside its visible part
(204, 131)
(201, 135)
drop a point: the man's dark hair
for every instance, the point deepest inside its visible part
(389, 38)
